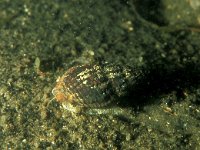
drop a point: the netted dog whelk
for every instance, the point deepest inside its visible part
(94, 86)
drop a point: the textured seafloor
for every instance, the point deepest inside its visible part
(40, 40)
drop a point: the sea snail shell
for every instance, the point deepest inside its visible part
(93, 85)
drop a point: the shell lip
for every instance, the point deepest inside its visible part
(62, 97)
